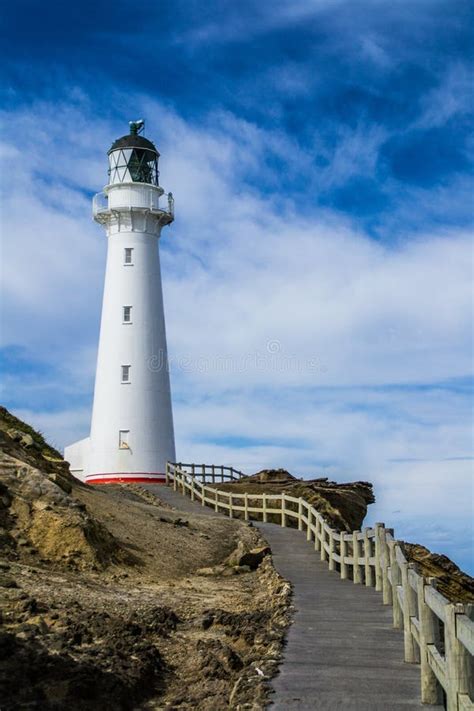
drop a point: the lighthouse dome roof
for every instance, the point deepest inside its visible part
(133, 141)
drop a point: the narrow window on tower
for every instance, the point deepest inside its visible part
(127, 314)
(128, 255)
(125, 373)
(123, 439)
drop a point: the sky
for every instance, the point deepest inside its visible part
(317, 278)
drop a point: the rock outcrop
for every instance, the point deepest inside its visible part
(40, 519)
(344, 506)
(450, 580)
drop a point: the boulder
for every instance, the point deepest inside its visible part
(272, 475)
(244, 557)
(25, 439)
(254, 557)
(62, 480)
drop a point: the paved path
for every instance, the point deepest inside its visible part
(178, 501)
(341, 650)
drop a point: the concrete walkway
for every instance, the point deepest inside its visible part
(178, 501)
(341, 650)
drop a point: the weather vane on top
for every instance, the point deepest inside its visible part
(136, 127)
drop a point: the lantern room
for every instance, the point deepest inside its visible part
(133, 158)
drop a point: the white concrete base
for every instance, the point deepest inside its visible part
(77, 454)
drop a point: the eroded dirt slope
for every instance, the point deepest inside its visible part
(111, 600)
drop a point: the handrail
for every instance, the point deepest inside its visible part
(101, 204)
(372, 557)
(213, 472)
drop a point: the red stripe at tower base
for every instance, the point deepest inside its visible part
(124, 478)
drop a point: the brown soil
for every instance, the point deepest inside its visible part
(104, 602)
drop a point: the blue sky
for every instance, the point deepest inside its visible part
(318, 275)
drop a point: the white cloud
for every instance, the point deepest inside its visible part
(452, 97)
(356, 154)
(244, 269)
(257, 20)
(368, 313)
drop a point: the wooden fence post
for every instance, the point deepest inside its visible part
(409, 611)
(343, 553)
(317, 535)
(458, 662)
(192, 489)
(231, 513)
(356, 569)
(193, 470)
(216, 502)
(323, 551)
(300, 513)
(283, 510)
(369, 578)
(378, 562)
(246, 507)
(308, 526)
(264, 507)
(203, 494)
(332, 543)
(396, 581)
(429, 634)
(386, 587)
(175, 482)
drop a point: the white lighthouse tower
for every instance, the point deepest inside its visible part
(132, 424)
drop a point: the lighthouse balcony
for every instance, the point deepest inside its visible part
(104, 205)
(100, 204)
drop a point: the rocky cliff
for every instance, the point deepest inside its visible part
(449, 579)
(344, 506)
(103, 601)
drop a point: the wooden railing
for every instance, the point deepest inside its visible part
(213, 473)
(438, 634)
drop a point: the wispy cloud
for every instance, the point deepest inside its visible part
(451, 98)
(317, 278)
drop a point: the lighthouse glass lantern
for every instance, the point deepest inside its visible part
(133, 158)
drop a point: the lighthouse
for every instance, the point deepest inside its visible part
(131, 436)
